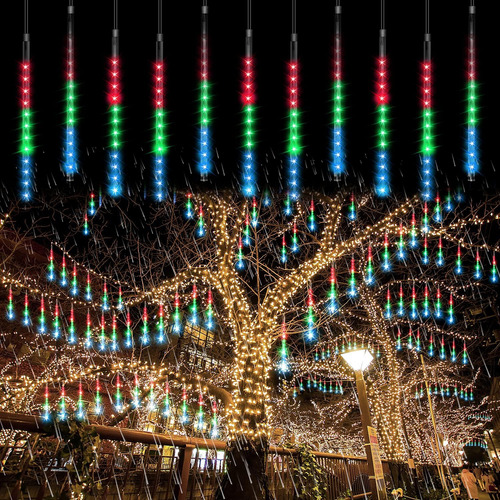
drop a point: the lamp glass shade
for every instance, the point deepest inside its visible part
(358, 360)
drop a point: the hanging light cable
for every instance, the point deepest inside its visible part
(248, 181)
(70, 146)
(427, 151)
(471, 161)
(205, 152)
(382, 174)
(160, 148)
(26, 149)
(115, 98)
(338, 148)
(294, 147)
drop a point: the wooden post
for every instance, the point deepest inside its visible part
(376, 485)
(181, 489)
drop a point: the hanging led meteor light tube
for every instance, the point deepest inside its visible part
(26, 138)
(160, 148)
(338, 148)
(382, 174)
(427, 150)
(115, 97)
(294, 147)
(205, 150)
(70, 146)
(471, 160)
(249, 175)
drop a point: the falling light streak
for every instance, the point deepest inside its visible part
(472, 150)
(427, 149)
(26, 133)
(382, 172)
(338, 153)
(249, 174)
(70, 161)
(160, 148)
(205, 148)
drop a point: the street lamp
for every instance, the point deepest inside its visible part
(359, 360)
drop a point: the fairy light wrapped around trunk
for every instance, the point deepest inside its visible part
(248, 96)
(70, 140)
(382, 172)
(160, 147)
(115, 174)
(205, 146)
(337, 147)
(472, 149)
(26, 132)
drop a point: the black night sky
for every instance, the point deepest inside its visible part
(272, 26)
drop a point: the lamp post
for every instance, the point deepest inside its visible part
(359, 360)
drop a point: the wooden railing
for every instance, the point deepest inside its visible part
(156, 466)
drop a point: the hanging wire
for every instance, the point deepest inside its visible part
(294, 16)
(249, 14)
(160, 16)
(26, 16)
(115, 12)
(427, 16)
(382, 14)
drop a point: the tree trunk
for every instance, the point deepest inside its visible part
(246, 471)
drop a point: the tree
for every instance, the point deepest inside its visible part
(286, 279)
